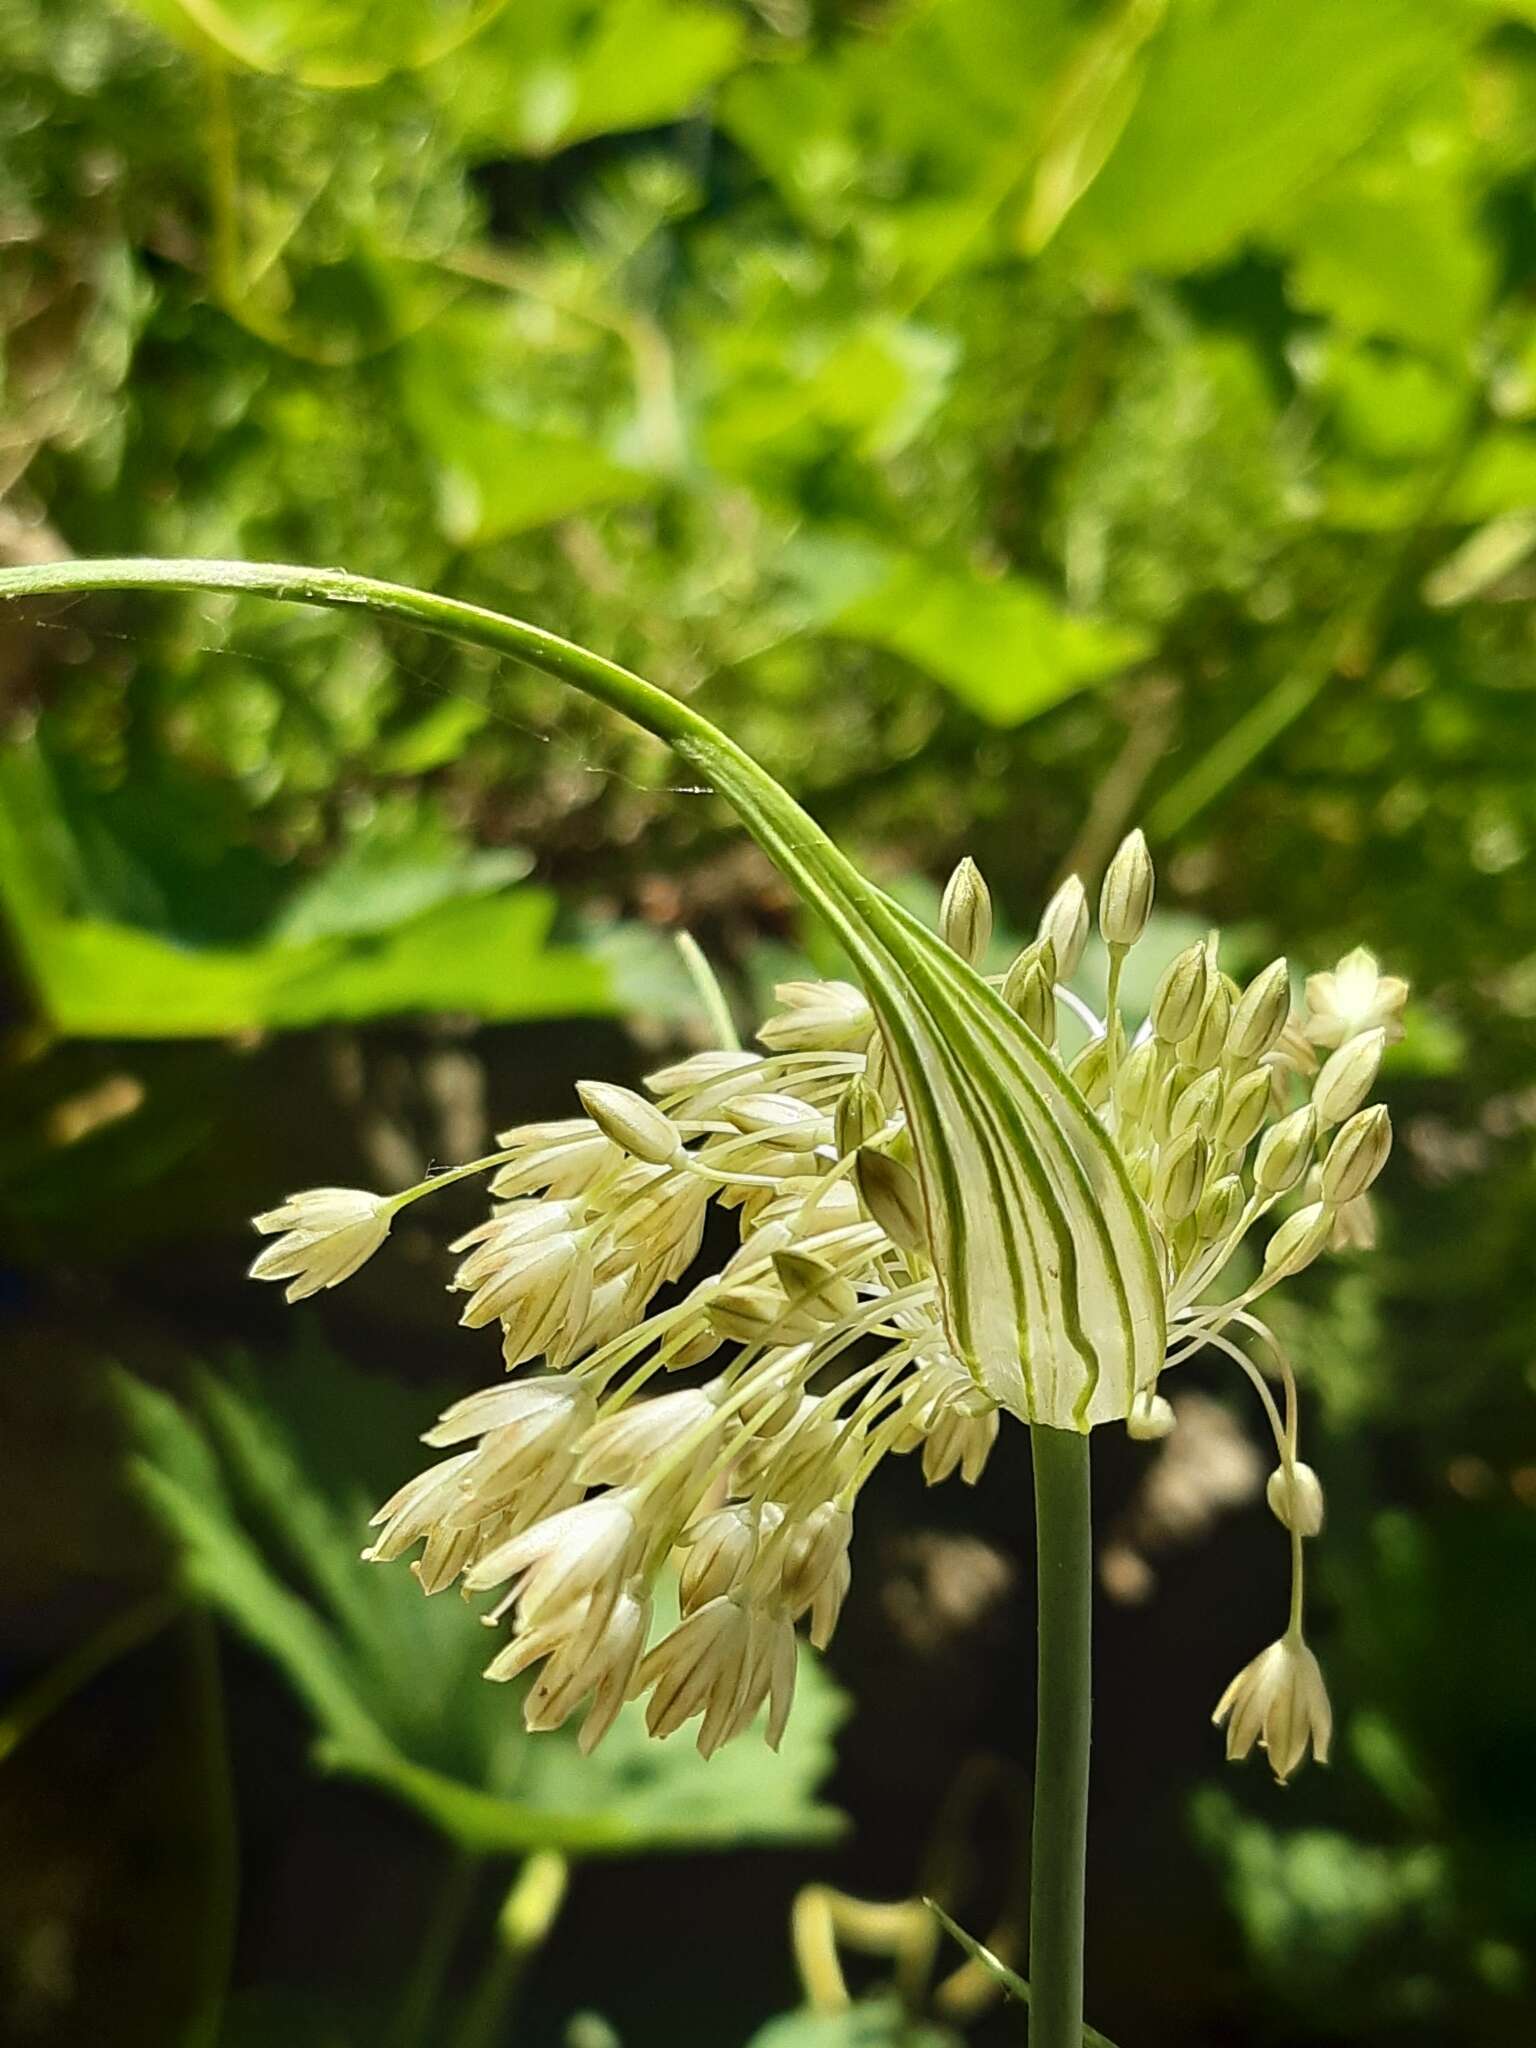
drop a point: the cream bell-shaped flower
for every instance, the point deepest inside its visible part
(1280, 1702)
(327, 1234)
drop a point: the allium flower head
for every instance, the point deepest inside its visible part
(957, 1197)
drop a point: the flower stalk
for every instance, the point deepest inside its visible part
(944, 1216)
(1064, 1711)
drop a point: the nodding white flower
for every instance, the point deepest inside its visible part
(1280, 1702)
(1355, 997)
(577, 1559)
(327, 1234)
(723, 1661)
(939, 1224)
(602, 1663)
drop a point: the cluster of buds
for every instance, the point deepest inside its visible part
(826, 1336)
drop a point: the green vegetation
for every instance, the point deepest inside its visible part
(1011, 419)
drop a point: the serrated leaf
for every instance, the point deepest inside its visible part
(265, 1477)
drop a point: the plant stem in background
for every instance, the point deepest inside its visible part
(418, 2004)
(1064, 1565)
(528, 1912)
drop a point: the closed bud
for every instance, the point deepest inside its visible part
(1348, 1076)
(1357, 1155)
(783, 1121)
(1295, 1496)
(1261, 1013)
(1298, 1241)
(893, 1198)
(1032, 997)
(1125, 901)
(810, 1283)
(1203, 1048)
(860, 1116)
(1138, 1081)
(1220, 1206)
(1198, 1108)
(965, 914)
(1090, 1072)
(1181, 1177)
(1286, 1152)
(632, 1123)
(1172, 1087)
(1039, 953)
(1244, 1111)
(1151, 1417)
(1181, 994)
(747, 1314)
(1065, 923)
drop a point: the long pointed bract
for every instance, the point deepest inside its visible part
(1048, 1271)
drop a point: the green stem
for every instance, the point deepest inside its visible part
(1064, 1564)
(528, 1912)
(418, 2003)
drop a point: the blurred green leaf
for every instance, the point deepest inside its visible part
(1004, 646)
(265, 1479)
(872, 2023)
(1241, 103)
(338, 43)
(546, 73)
(373, 939)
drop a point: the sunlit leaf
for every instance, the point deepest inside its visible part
(1241, 103)
(1004, 646)
(453, 939)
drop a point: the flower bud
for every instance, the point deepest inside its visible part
(818, 1016)
(1286, 1152)
(1125, 901)
(748, 1314)
(632, 1123)
(1203, 1047)
(1244, 1111)
(1138, 1080)
(893, 1198)
(1030, 992)
(1261, 1012)
(1170, 1089)
(1181, 994)
(1180, 1177)
(1297, 1242)
(965, 914)
(1064, 922)
(1295, 1497)
(859, 1116)
(810, 1283)
(1090, 1072)
(1151, 1417)
(1220, 1206)
(1348, 1076)
(1198, 1108)
(783, 1121)
(1357, 1155)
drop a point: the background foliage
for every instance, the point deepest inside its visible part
(1011, 418)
